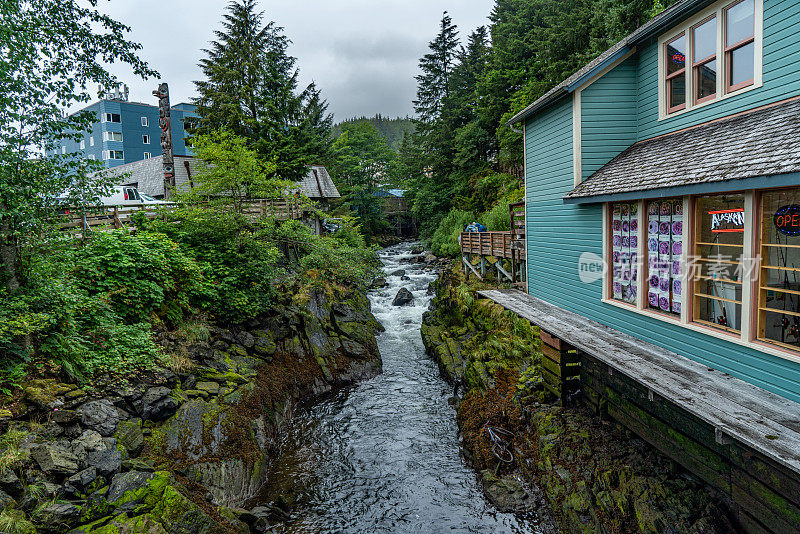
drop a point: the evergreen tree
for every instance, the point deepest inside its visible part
(250, 89)
(436, 66)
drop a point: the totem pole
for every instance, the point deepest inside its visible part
(165, 122)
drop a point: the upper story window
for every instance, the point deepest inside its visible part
(740, 45)
(144, 121)
(676, 74)
(710, 57)
(145, 139)
(91, 140)
(113, 136)
(83, 144)
(114, 154)
(112, 117)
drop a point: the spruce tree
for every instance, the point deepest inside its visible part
(436, 67)
(250, 89)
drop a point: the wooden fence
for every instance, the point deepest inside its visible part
(78, 220)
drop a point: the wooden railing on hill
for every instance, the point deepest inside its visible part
(115, 217)
(493, 248)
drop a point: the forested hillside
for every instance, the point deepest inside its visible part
(462, 160)
(392, 130)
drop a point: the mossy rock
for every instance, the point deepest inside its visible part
(43, 392)
(181, 514)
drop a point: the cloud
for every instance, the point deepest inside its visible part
(362, 54)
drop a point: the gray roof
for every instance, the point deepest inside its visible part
(763, 142)
(318, 184)
(148, 174)
(666, 18)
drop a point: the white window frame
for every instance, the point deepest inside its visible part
(63, 149)
(145, 139)
(91, 140)
(91, 156)
(83, 144)
(147, 155)
(108, 153)
(718, 9)
(110, 136)
(144, 121)
(107, 117)
(747, 336)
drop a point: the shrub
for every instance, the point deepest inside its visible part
(331, 259)
(445, 238)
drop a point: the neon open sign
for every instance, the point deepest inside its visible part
(787, 219)
(677, 57)
(723, 221)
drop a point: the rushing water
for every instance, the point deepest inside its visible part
(383, 456)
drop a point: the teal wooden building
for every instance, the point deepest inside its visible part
(663, 188)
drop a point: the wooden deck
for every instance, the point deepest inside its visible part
(733, 409)
(495, 244)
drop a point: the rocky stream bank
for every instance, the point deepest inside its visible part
(578, 472)
(180, 451)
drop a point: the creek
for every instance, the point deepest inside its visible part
(384, 456)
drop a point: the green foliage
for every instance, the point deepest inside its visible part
(334, 259)
(53, 53)
(445, 239)
(10, 451)
(230, 172)
(143, 275)
(361, 160)
(237, 259)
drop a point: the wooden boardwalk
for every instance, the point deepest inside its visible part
(741, 439)
(734, 408)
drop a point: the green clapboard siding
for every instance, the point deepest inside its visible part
(608, 117)
(781, 75)
(557, 235)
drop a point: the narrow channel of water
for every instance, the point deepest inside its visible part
(384, 456)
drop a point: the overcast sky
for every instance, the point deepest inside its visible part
(362, 54)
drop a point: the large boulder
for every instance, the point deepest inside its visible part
(399, 272)
(403, 298)
(129, 435)
(55, 459)
(107, 461)
(158, 404)
(101, 416)
(58, 517)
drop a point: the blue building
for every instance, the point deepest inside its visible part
(674, 158)
(125, 132)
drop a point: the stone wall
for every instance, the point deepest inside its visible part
(179, 451)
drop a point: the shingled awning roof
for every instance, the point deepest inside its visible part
(317, 184)
(730, 153)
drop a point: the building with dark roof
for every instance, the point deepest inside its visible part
(663, 216)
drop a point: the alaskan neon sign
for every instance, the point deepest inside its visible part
(727, 221)
(677, 57)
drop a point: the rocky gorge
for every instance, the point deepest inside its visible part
(579, 472)
(180, 449)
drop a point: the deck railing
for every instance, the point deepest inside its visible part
(115, 217)
(496, 244)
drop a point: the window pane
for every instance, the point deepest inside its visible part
(739, 22)
(707, 79)
(664, 250)
(676, 55)
(677, 90)
(624, 246)
(705, 40)
(780, 234)
(716, 265)
(742, 64)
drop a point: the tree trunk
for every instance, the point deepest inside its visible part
(9, 256)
